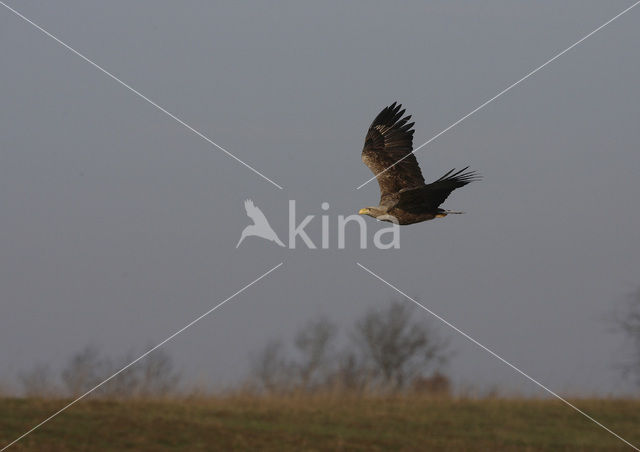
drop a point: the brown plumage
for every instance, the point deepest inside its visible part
(404, 196)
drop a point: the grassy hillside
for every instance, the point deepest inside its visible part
(318, 424)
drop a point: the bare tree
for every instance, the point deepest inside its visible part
(627, 321)
(153, 376)
(396, 348)
(351, 373)
(270, 368)
(157, 376)
(84, 370)
(314, 346)
(389, 351)
(38, 382)
(123, 385)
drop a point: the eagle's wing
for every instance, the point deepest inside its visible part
(389, 141)
(255, 214)
(435, 193)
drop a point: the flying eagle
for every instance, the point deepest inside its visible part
(404, 197)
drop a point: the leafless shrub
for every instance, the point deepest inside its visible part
(351, 374)
(437, 384)
(153, 376)
(85, 370)
(627, 321)
(38, 382)
(307, 369)
(156, 375)
(123, 385)
(270, 368)
(314, 346)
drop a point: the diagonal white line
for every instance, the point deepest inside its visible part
(513, 85)
(139, 94)
(458, 330)
(140, 357)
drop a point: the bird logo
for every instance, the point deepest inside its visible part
(260, 226)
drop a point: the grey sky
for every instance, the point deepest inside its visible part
(119, 225)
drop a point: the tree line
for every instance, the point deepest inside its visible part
(153, 376)
(387, 350)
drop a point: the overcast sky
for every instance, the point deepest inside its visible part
(119, 225)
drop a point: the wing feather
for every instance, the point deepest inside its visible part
(389, 141)
(433, 194)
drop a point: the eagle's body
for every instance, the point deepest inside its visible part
(404, 196)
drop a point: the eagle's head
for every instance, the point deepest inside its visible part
(374, 212)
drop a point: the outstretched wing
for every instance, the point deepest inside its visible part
(388, 146)
(255, 214)
(435, 193)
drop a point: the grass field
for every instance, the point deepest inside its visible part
(319, 424)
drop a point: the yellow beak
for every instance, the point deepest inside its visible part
(363, 211)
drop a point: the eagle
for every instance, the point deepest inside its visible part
(404, 196)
